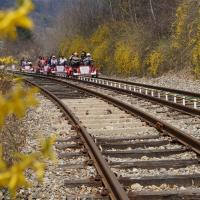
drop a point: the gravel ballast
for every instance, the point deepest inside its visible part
(182, 80)
(41, 122)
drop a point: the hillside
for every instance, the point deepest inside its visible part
(127, 37)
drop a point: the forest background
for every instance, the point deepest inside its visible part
(125, 37)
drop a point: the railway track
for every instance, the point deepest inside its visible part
(150, 158)
(78, 154)
(180, 116)
(188, 122)
(188, 102)
(183, 116)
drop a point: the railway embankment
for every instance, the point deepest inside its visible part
(182, 80)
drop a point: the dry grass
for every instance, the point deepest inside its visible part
(5, 85)
(13, 133)
(5, 81)
(12, 137)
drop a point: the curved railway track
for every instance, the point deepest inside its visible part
(83, 146)
(186, 101)
(180, 116)
(150, 158)
(153, 87)
(180, 111)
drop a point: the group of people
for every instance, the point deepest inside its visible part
(51, 61)
(25, 62)
(74, 60)
(84, 59)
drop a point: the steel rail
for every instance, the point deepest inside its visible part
(176, 106)
(179, 107)
(108, 178)
(182, 92)
(165, 128)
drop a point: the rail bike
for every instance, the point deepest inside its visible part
(27, 68)
(61, 70)
(85, 71)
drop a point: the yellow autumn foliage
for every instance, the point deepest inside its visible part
(100, 35)
(101, 54)
(14, 177)
(127, 60)
(101, 42)
(186, 37)
(8, 60)
(77, 44)
(125, 48)
(196, 59)
(11, 19)
(16, 102)
(63, 48)
(180, 23)
(154, 61)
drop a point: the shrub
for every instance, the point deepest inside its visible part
(102, 33)
(179, 26)
(13, 105)
(76, 44)
(10, 20)
(12, 137)
(154, 62)
(185, 36)
(127, 60)
(101, 47)
(102, 55)
(13, 177)
(196, 60)
(7, 60)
